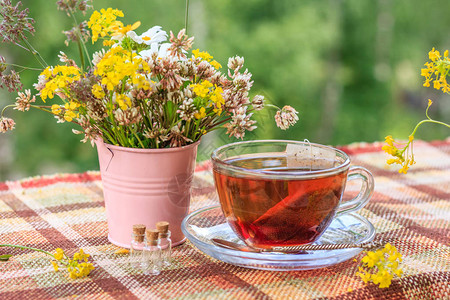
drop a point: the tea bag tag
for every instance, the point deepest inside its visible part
(309, 157)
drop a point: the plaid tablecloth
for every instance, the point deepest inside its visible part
(67, 211)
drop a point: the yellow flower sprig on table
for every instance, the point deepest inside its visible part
(78, 266)
(380, 267)
(436, 72)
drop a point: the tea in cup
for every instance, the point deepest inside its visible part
(284, 193)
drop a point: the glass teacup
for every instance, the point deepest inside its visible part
(284, 193)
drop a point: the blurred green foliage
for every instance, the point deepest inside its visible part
(350, 67)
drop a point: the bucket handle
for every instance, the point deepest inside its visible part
(101, 146)
(111, 158)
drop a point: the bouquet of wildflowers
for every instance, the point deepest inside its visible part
(145, 90)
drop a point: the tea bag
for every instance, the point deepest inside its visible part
(305, 156)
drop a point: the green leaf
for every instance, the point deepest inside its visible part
(171, 110)
(5, 257)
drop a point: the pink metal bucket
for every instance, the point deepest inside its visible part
(145, 186)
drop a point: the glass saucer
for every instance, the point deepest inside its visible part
(201, 226)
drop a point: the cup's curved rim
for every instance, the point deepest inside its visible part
(217, 162)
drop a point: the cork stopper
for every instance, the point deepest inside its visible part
(139, 231)
(163, 229)
(152, 236)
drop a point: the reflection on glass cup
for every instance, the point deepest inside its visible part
(284, 193)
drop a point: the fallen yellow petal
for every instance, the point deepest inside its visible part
(122, 251)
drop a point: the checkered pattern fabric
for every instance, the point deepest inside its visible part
(66, 211)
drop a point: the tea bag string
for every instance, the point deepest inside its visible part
(310, 153)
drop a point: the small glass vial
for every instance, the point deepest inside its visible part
(151, 255)
(165, 243)
(137, 245)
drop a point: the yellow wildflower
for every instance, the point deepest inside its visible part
(101, 23)
(55, 266)
(437, 70)
(425, 72)
(434, 55)
(69, 113)
(390, 140)
(383, 278)
(437, 85)
(201, 114)
(119, 64)
(202, 89)
(391, 161)
(202, 54)
(124, 101)
(371, 258)
(364, 276)
(217, 98)
(56, 109)
(119, 30)
(122, 251)
(380, 266)
(403, 156)
(98, 92)
(404, 169)
(57, 79)
(59, 255)
(216, 65)
(109, 43)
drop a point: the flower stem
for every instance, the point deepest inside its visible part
(28, 248)
(137, 137)
(271, 106)
(186, 16)
(23, 67)
(4, 108)
(81, 43)
(35, 53)
(428, 121)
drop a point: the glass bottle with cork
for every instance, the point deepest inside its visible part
(137, 245)
(151, 256)
(165, 242)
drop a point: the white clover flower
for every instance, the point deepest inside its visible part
(42, 81)
(6, 124)
(286, 117)
(258, 102)
(240, 122)
(235, 63)
(97, 56)
(24, 100)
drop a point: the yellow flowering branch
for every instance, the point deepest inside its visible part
(380, 267)
(77, 267)
(436, 72)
